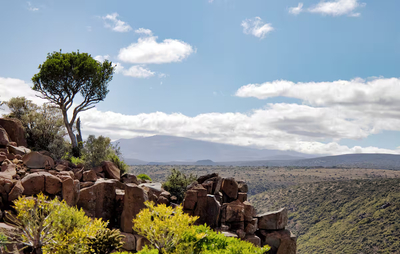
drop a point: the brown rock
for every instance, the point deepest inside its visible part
(190, 200)
(212, 212)
(86, 184)
(129, 178)
(98, 169)
(33, 184)
(89, 176)
(243, 187)
(63, 175)
(129, 241)
(134, 199)
(70, 191)
(230, 187)
(273, 220)
(18, 150)
(202, 179)
(8, 170)
(11, 156)
(141, 242)
(162, 200)
(15, 130)
(99, 200)
(233, 212)
(4, 139)
(111, 171)
(37, 160)
(78, 174)
(242, 196)
(254, 240)
(2, 158)
(249, 211)
(52, 184)
(216, 184)
(281, 241)
(16, 191)
(61, 167)
(251, 227)
(240, 233)
(166, 194)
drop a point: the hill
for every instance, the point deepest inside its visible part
(356, 216)
(373, 161)
(187, 151)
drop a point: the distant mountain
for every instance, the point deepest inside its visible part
(181, 150)
(378, 161)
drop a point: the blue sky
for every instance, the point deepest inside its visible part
(312, 76)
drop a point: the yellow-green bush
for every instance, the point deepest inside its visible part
(51, 226)
(163, 226)
(170, 231)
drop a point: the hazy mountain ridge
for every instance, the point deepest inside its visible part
(180, 150)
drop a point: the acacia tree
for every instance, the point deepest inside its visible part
(65, 75)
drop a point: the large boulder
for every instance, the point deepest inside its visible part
(15, 130)
(35, 160)
(4, 140)
(129, 178)
(70, 191)
(33, 183)
(89, 176)
(134, 199)
(281, 241)
(230, 187)
(18, 150)
(8, 171)
(16, 191)
(273, 220)
(129, 241)
(111, 171)
(98, 200)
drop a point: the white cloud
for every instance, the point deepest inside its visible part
(148, 51)
(337, 7)
(111, 21)
(332, 111)
(31, 8)
(101, 58)
(144, 31)
(296, 10)
(138, 71)
(256, 27)
(378, 91)
(11, 87)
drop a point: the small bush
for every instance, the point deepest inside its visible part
(143, 177)
(105, 241)
(163, 226)
(177, 183)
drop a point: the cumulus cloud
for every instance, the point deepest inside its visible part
(332, 111)
(378, 91)
(138, 71)
(256, 27)
(296, 10)
(101, 58)
(148, 51)
(337, 8)
(112, 21)
(11, 87)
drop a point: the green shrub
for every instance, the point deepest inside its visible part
(105, 241)
(202, 239)
(163, 226)
(177, 183)
(143, 177)
(51, 226)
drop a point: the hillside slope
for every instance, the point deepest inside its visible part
(340, 216)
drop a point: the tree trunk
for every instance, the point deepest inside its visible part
(38, 250)
(75, 148)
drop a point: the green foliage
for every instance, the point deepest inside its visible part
(143, 177)
(346, 212)
(177, 182)
(148, 250)
(202, 239)
(64, 75)
(3, 241)
(95, 150)
(43, 124)
(163, 226)
(52, 226)
(105, 241)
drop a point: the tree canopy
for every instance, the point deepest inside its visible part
(65, 75)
